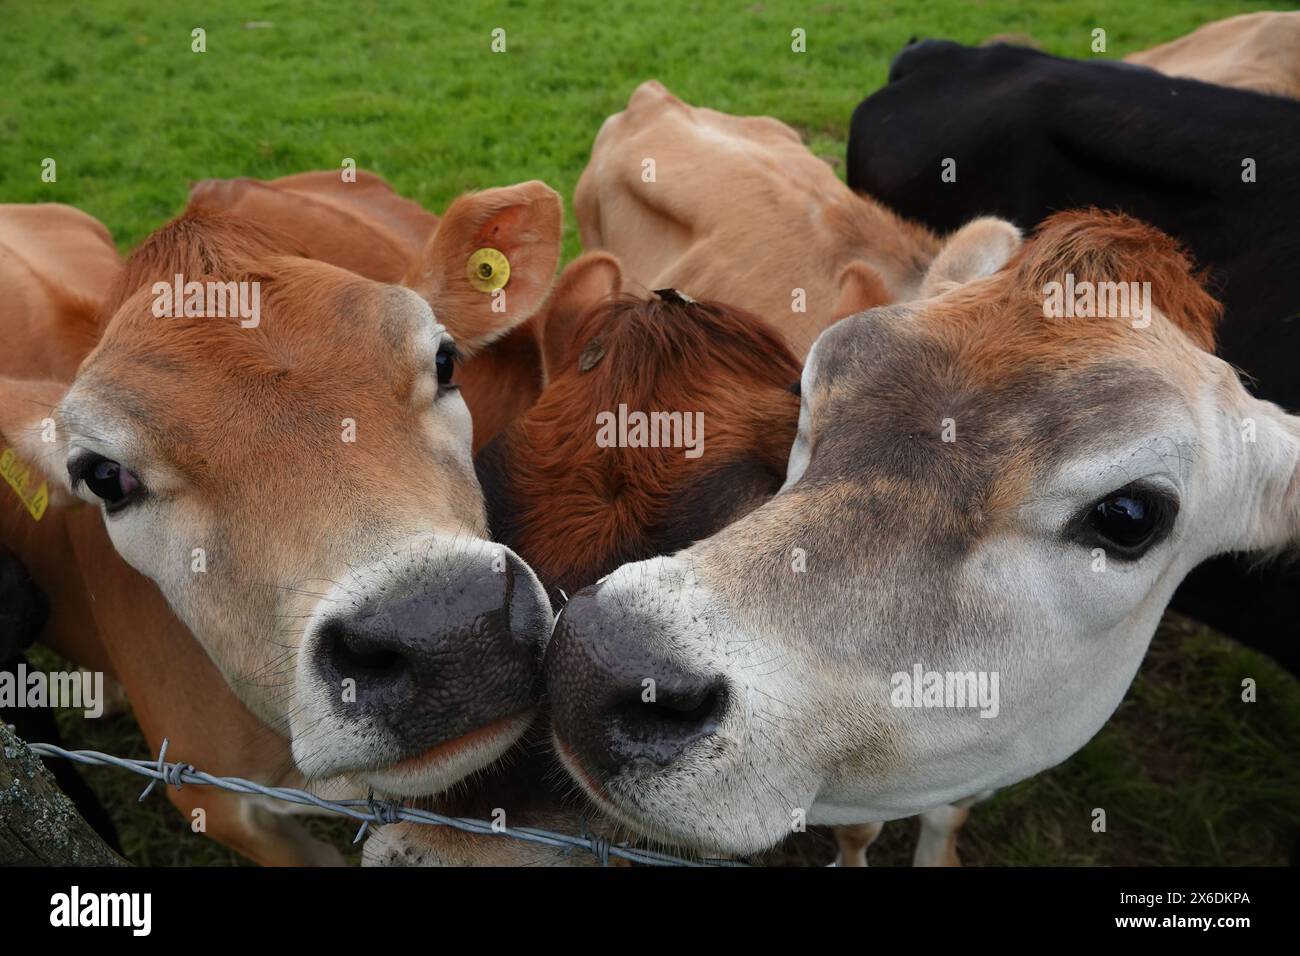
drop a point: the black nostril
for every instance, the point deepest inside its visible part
(361, 654)
(638, 735)
(689, 709)
(433, 658)
(659, 731)
(617, 704)
(527, 611)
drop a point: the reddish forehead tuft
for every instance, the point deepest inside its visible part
(1110, 247)
(996, 328)
(197, 244)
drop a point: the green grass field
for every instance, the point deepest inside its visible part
(411, 90)
(1187, 773)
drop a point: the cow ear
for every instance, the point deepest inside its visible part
(1271, 484)
(979, 248)
(861, 288)
(588, 279)
(32, 448)
(491, 262)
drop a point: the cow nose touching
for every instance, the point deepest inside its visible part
(442, 657)
(615, 705)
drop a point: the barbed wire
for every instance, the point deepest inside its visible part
(370, 810)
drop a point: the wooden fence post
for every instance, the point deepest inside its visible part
(38, 824)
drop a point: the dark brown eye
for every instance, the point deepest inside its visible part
(1131, 520)
(107, 480)
(446, 363)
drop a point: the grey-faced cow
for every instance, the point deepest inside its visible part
(986, 510)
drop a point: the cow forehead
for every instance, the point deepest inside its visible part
(888, 518)
(327, 346)
(310, 316)
(906, 414)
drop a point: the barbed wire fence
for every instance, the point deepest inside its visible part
(370, 811)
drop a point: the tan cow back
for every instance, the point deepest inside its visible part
(736, 209)
(57, 267)
(364, 226)
(1253, 51)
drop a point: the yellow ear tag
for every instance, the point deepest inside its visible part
(488, 270)
(18, 476)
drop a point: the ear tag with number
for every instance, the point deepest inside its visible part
(19, 477)
(488, 270)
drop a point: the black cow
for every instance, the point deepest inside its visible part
(1031, 134)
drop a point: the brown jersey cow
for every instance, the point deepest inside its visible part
(108, 617)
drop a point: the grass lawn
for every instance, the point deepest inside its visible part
(1186, 772)
(411, 90)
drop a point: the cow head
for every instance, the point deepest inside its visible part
(711, 386)
(985, 512)
(296, 479)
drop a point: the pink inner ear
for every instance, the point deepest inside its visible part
(501, 231)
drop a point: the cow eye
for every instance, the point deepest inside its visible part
(107, 480)
(1129, 521)
(446, 363)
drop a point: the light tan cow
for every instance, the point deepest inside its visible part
(323, 326)
(736, 209)
(1253, 51)
(993, 503)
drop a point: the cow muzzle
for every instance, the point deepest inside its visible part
(619, 707)
(429, 673)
